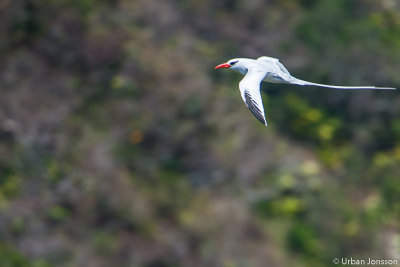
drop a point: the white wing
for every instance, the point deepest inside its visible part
(250, 91)
(279, 74)
(274, 61)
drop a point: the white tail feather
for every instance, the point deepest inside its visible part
(301, 82)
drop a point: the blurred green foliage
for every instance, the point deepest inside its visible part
(121, 146)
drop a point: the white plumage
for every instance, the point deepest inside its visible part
(270, 70)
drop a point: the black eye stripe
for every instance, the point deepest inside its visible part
(233, 63)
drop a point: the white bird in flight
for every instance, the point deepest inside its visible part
(270, 70)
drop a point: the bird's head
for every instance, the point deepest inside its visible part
(229, 64)
(236, 64)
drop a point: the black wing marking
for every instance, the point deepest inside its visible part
(252, 105)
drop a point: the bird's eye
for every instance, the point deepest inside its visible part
(233, 63)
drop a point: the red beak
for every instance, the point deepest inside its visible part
(224, 65)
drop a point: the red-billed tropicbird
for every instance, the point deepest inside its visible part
(270, 70)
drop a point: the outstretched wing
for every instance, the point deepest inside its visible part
(278, 73)
(255, 108)
(251, 95)
(274, 61)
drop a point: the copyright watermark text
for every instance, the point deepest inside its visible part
(367, 261)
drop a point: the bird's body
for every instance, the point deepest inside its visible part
(269, 69)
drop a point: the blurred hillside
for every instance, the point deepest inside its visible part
(121, 146)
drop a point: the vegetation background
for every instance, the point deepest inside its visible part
(121, 146)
